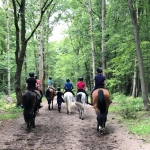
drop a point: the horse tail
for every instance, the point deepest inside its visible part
(78, 98)
(101, 102)
(79, 101)
(27, 106)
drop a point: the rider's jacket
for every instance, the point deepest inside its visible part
(68, 86)
(31, 83)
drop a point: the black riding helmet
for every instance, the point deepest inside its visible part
(67, 80)
(99, 70)
(31, 74)
(50, 77)
(81, 79)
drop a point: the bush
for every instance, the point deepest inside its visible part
(128, 106)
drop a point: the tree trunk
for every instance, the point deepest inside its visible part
(103, 37)
(139, 55)
(134, 80)
(92, 37)
(19, 53)
(8, 46)
(40, 46)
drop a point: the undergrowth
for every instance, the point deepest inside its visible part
(132, 113)
(9, 110)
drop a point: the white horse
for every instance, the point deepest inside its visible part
(69, 98)
(81, 99)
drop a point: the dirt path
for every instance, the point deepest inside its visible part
(60, 131)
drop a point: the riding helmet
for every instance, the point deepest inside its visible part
(99, 70)
(50, 77)
(31, 74)
(67, 80)
(81, 78)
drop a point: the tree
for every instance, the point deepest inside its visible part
(8, 45)
(22, 40)
(103, 37)
(139, 53)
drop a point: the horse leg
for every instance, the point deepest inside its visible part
(79, 112)
(49, 107)
(52, 103)
(69, 107)
(49, 103)
(33, 123)
(82, 113)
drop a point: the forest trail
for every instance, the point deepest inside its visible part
(60, 131)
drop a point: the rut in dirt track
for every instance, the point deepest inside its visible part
(60, 131)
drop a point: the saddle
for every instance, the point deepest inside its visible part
(38, 95)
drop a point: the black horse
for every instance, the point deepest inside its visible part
(30, 105)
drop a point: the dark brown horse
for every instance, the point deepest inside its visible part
(101, 102)
(50, 94)
(30, 107)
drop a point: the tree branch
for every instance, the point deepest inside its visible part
(43, 9)
(17, 31)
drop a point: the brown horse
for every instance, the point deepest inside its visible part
(50, 94)
(30, 105)
(101, 102)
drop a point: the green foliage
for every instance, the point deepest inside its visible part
(128, 106)
(142, 127)
(8, 116)
(9, 110)
(132, 113)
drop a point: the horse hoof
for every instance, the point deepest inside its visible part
(82, 118)
(69, 113)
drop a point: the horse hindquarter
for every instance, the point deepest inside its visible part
(102, 115)
(29, 100)
(68, 97)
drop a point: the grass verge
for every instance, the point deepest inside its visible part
(132, 114)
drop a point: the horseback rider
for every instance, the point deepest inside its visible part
(50, 83)
(68, 87)
(38, 86)
(99, 81)
(31, 85)
(81, 87)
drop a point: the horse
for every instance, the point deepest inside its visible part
(68, 98)
(30, 105)
(101, 101)
(50, 94)
(81, 99)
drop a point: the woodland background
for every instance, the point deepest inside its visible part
(112, 34)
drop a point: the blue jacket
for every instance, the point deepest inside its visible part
(68, 86)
